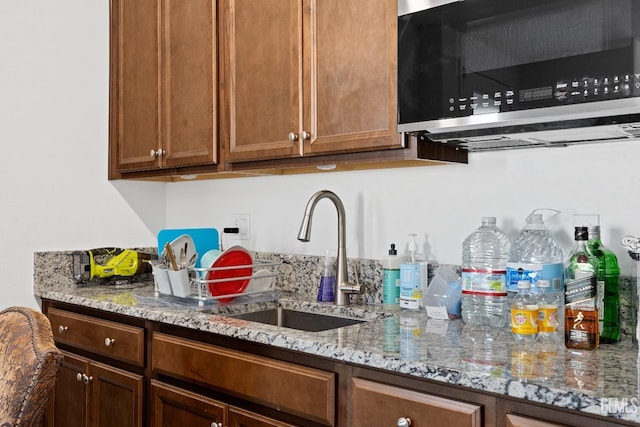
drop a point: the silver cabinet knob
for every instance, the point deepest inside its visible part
(404, 422)
(109, 342)
(83, 378)
(62, 329)
(305, 135)
(293, 136)
(157, 153)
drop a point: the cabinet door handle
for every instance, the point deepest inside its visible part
(109, 341)
(157, 153)
(404, 422)
(62, 329)
(293, 136)
(305, 135)
(83, 378)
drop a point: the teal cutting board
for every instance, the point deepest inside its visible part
(204, 239)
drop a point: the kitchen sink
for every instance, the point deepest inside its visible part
(294, 319)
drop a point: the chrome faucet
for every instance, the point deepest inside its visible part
(343, 287)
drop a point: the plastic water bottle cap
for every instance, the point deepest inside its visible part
(524, 284)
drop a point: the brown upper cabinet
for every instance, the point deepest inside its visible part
(307, 77)
(164, 85)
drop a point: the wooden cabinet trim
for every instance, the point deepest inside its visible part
(89, 333)
(299, 390)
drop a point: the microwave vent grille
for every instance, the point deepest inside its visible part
(499, 143)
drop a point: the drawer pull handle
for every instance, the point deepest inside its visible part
(404, 422)
(62, 329)
(109, 342)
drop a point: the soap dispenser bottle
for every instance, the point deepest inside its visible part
(413, 277)
(327, 280)
(391, 280)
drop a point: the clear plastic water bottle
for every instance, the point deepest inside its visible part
(547, 312)
(484, 291)
(535, 255)
(524, 314)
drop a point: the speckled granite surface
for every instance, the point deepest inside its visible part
(602, 382)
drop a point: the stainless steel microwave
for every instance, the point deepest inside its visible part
(489, 74)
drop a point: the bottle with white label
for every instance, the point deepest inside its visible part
(536, 255)
(524, 314)
(391, 280)
(413, 277)
(484, 291)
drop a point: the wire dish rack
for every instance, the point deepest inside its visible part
(192, 283)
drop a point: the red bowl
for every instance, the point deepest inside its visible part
(235, 256)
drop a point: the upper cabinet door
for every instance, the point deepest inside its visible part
(262, 83)
(189, 71)
(164, 84)
(135, 88)
(350, 75)
(308, 77)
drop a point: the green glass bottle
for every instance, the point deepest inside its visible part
(607, 276)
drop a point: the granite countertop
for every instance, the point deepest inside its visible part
(602, 382)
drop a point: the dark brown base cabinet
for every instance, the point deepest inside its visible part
(122, 371)
(374, 403)
(175, 407)
(94, 394)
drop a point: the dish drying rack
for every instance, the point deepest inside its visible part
(200, 285)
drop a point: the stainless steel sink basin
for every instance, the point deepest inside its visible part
(294, 319)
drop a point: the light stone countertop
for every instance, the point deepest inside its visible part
(602, 382)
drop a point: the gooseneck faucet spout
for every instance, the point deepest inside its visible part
(343, 287)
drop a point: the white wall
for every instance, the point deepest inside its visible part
(55, 195)
(441, 204)
(53, 133)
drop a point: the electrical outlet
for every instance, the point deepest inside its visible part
(243, 222)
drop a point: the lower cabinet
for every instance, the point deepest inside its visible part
(175, 407)
(121, 371)
(374, 403)
(290, 388)
(89, 393)
(518, 421)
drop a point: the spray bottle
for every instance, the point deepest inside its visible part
(327, 280)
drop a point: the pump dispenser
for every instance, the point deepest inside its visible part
(413, 277)
(327, 280)
(391, 280)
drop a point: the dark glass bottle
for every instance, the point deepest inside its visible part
(608, 299)
(581, 329)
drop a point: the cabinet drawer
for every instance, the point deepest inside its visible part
(112, 339)
(379, 404)
(295, 389)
